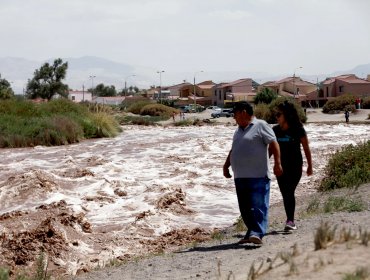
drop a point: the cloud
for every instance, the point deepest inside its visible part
(230, 15)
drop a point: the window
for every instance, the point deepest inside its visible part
(341, 88)
(73, 97)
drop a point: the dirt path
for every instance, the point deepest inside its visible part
(222, 258)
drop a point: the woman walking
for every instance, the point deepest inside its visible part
(290, 134)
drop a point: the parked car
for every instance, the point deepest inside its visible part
(224, 113)
(214, 108)
(191, 108)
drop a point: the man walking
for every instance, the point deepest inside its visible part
(248, 159)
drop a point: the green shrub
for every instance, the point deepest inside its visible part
(157, 110)
(340, 103)
(58, 122)
(14, 107)
(106, 125)
(62, 106)
(266, 95)
(343, 203)
(136, 107)
(139, 120)
(184, 123)
(366, 103)
(348, 167)
(274, 104)
(263, 111)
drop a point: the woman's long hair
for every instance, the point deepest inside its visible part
(290, 114)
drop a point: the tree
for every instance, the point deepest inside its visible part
(47, 81)
(266, 95)
(102, 90)
(6, 91)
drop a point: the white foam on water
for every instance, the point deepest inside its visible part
(150, 162)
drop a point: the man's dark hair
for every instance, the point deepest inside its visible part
(243, 105)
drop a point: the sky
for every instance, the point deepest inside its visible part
(264, 36)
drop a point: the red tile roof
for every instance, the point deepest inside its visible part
(348, 78)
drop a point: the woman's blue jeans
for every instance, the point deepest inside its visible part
(254, 198)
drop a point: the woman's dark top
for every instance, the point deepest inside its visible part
(290, 146)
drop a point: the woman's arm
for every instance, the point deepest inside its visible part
(307, 152)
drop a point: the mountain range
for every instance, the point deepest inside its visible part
(88, 71)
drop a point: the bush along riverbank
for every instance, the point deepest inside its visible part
(58, 122)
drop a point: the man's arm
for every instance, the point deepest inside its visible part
(274, 149)
(226, 166)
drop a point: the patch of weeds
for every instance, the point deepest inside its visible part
(254, 272)
(139, 120)
(313, 206)
(217, 235)
(361, 273)
(239, 225)
(184, 123)
(42, 268)
(364, 237)
(342, 203)
(4, 274)
(194, 244)
(114, 262)
(346, 235)
(324, 236)
(41, 272)
(319, 264)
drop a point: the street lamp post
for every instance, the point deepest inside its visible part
(83, 92)
(195, 100)
(294, 89)
(160, 85)
(92, 83)
(126, 82)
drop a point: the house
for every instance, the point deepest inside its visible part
(79, 96)
(175, 90)
(199, 93)
(303, 91)
(239, 90)
(345, 84)
(109, 100)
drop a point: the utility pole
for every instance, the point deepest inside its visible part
(126, 82)
(195, 99)
(92, 84)
(160, 85)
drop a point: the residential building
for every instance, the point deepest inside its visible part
(203, 93)
(303, 91)
(345, 84)
(109, 100)
(79, 96)
(242, 89)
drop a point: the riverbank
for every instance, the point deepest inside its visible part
(283, 255)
